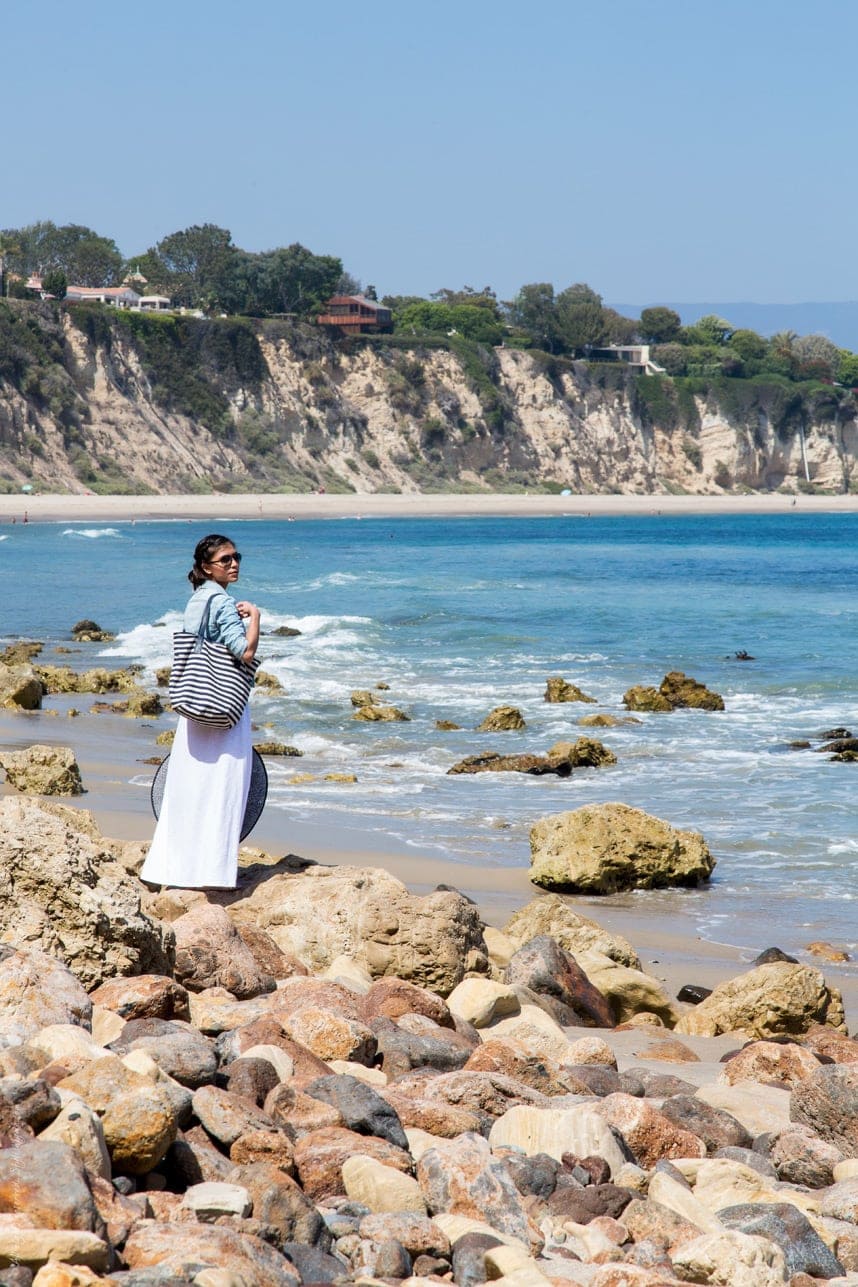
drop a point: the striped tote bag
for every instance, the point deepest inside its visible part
(207, 683)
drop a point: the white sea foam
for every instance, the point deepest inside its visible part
(92, 533)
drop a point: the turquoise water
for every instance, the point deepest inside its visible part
(461, 615)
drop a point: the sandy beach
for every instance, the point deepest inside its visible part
(98, 509)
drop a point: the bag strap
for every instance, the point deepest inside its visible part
(202, 632)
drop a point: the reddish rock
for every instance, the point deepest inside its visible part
(148, 996)
(319, 1157)
(273, 1147)
(828, 1103)
(210, 953)
(773, 1062)
(435, 1115)
(394, 997)
(183, 1250)
(485, 1092)
(649, 1134)
(47, 1181)
(330, 1035)
(498, 1056)
(461, 1176)
(827, 1042)
(270, 959)
(279, 1203)
(267, 1031)
(298, 993)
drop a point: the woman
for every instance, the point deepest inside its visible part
(195, 845)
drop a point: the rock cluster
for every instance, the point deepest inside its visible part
(561, 759)
(245, 1115)
(42, 770)
(604, 848)
(87, 631)
(674, 691)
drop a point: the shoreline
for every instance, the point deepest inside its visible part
(302, 506)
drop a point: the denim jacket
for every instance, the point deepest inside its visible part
(225, 625)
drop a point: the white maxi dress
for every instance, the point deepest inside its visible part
(195, 845)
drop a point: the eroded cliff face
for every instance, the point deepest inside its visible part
(380, 418)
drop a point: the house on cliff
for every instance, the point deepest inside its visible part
(356, 315)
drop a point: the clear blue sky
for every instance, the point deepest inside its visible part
(677, 149)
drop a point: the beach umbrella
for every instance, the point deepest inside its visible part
(256, 795)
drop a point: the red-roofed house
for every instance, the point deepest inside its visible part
(356, 315)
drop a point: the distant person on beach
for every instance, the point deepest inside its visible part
(195, 845)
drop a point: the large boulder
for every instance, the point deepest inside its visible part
(779, 999)
(554, 915)
(674, 691)
(20, 688)
(368, 915)
(603, 848)
(682, 690)
(42, 770)
(502, 719)
(61, 892)
(37, 991)
(210, 953)
(558, 689)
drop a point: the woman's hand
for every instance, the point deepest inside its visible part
(250, 613)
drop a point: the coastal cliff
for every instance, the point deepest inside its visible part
(96, 400)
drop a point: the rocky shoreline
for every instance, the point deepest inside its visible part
(325, 1078)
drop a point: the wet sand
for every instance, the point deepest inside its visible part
(113, 509)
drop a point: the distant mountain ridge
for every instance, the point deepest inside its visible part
(837, 319)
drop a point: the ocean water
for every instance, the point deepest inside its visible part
(461, 615)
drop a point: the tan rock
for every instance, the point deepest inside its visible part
(669, 1052)
(608, 847)
(535, 1032)
(606, 721)
(560, 690)
(136, 1116)
(379, 1187)
(628, 991)
(760, 1109)
(553, 914)
(35, 991)
(35, 1247)
(555, 1131)
(61, 892)
(20, 688)
(479, 1001)
(502, 719)
(384, 714)
(643, 698)
(362, 697)
(188, 1250)
(42, 770)
(591, 1050)
(779, 999)
(80, 1127)
(331, 1036)
(57, 1273)
(733, 1259)
(500, 946)
(681, 690)
(366, 914)
(583, 753)
(669, 1193)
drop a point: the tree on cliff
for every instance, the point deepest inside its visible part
(534, 310)
(86, 258)
(659, 325)
(192, 264)
(434, 318)
(580, 318)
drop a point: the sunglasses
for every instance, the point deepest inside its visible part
(226, 559)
